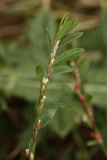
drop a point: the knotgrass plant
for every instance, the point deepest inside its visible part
(46, 112)
(57, 64)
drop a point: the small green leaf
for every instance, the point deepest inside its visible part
(69, 55)
(63, 19)
(71, 37)
(84, 66)
(40, 72)
(66, 28)
(62, 105)
(92, 143)
(49, 37)
(88, 98)
(47, 115)
(67, 89)
(62, 69)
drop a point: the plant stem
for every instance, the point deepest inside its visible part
(86, 108)
(42, 97)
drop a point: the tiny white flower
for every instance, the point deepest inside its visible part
(44, 97)
(45, 80)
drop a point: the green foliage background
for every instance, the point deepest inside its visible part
(19, 91)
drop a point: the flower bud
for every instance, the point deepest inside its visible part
(95, 135)
(82, 98)
(76, 85)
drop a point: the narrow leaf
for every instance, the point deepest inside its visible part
(68, 55)
(31, 145)
(84, 67)
(71, 37)
(63, 19)
(62, 105)
(47, 115)
(66, 28)
(40, 72)
(88, 98)
(92, 143)
(62, 69)
(49, 37)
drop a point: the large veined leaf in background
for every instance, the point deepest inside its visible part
(64, 120)
(103, 33)
(38, 38)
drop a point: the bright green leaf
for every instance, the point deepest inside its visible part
(40, 72)
(47, 115)
(62, 105)
(71, 37)
(66, 28)
(69, 55)
(92, 143)
(62, 69)
(49, 37)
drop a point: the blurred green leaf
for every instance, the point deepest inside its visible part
(92, 143)
(71, 38)
(84, 66)
(47, 115)
(88, 98)
(69, 55)
(62, 69)
(40, 72)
